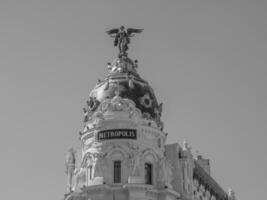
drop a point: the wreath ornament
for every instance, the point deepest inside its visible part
(146, 101)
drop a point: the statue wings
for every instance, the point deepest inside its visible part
(129, 31)
(113, 31)
(133, 30)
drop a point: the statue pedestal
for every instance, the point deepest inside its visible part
(136, 179)
(98, 181)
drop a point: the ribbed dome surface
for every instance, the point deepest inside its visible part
(123, 80)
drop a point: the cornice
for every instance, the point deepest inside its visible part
(209, 183)
(134, 186)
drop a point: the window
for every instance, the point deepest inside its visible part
(148, 173)
(180, 155)
(90, 172)
(117, 171)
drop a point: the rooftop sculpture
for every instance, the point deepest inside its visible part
(122, 38)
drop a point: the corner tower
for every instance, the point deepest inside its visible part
(122, 140)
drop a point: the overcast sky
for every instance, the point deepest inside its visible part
(206, 61)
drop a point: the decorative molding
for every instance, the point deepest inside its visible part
(136, 187)
(208, 182)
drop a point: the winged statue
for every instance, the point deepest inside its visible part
(122, 38)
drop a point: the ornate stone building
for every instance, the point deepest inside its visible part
(123, 151)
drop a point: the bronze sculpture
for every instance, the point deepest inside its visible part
(122, 38)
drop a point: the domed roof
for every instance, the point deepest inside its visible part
(123, 80)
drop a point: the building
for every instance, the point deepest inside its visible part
(123, 151)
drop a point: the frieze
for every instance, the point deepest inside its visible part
(117, 134)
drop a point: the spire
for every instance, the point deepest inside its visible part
(123, 64)
(185, 145)
(124, 78)
(70, 167)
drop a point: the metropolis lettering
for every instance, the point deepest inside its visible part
(117, 134)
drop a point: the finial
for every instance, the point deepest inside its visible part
(122, 38)
(70, 167)
(185, 145)
(231, 194)
(70, 157)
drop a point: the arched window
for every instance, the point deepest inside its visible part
(90, 172)
(148, 173)
(117, 171)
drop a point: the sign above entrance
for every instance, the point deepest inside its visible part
(117, 134)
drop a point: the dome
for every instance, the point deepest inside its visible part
(124, 81)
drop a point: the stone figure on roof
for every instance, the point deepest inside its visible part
(122, 38)
(70, 167)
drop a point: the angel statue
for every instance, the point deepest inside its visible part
(122, 38)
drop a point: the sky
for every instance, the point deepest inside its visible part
(206, 61)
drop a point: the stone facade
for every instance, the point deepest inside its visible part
(124, 155)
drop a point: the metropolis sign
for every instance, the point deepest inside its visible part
(117, 134)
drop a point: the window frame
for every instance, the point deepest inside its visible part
(149, 180)
(117, 171)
